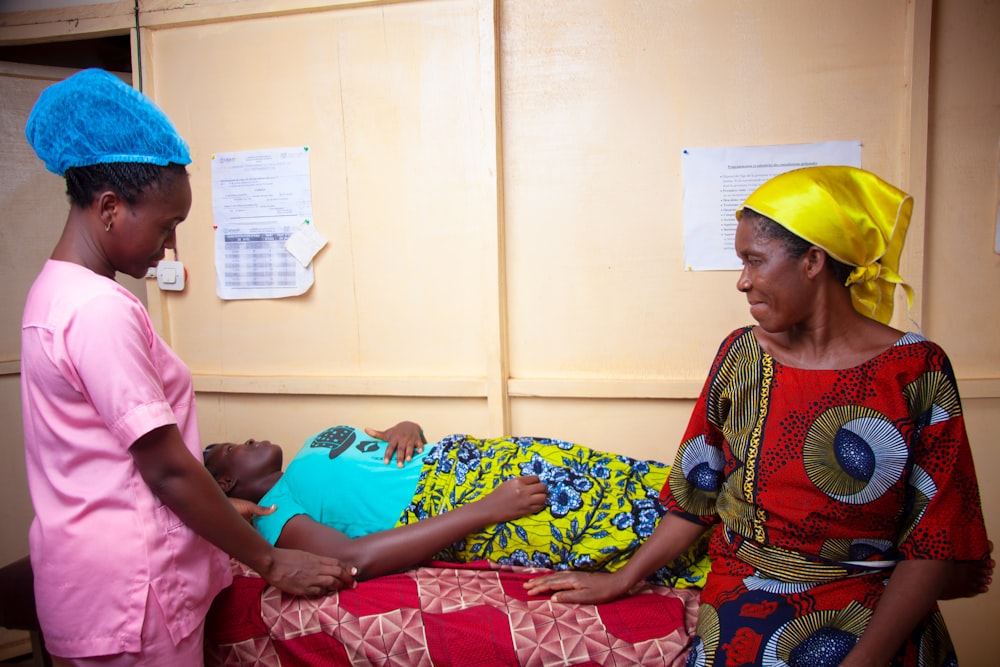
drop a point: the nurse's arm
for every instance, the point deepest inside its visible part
(183, 484)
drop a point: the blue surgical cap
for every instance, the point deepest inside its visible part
(93, 117)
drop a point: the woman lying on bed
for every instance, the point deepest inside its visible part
(519, 501)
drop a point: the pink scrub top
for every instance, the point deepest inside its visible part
(95, 377)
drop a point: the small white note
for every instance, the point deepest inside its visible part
(304, 243)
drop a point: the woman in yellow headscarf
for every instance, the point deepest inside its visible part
(829, 445)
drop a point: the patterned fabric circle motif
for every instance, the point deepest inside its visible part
(701, 466)
(706, 641)
(819, 639)
(923, 491)
(854, 454)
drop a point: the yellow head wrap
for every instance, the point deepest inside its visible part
(852, 214)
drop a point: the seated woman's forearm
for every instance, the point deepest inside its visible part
(672, 536)
(913, 589)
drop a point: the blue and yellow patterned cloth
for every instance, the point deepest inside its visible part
(601, 506)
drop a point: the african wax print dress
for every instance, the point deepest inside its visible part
(822, 480)
(601, 506)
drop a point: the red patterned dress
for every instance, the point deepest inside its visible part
(822, 480)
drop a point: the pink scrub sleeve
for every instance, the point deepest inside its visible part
(95, 378)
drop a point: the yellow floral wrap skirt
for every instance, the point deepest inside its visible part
(601, 506)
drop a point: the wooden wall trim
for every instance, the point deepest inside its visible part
(84, 21)
(498, 355)
(971, 388)
(448, 387)
(916, 79)
(988, 387)
(341, 386)
(163, 13)
(117, 17)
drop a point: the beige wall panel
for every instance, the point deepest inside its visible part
(599, 99)
(963, 271)
(390, 102)
(289, 420)
(643, 429)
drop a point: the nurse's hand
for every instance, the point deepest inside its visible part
(302, 573)
(248, 510)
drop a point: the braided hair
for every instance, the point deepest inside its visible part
(127, 179)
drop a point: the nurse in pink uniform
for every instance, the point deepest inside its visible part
(130, 540)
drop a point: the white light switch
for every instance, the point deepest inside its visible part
(170, 275)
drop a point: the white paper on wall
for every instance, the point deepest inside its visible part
(260, 198)
(717, 180)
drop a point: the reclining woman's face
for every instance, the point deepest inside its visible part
(243, 462)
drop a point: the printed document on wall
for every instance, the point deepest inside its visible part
(260, 198)
(717, 180)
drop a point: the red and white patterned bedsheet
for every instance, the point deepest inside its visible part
(445, 614)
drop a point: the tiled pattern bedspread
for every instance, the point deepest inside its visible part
(445, 615)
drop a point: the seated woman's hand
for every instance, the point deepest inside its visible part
(969, 577)
(401, 440)
(578, 587)
(517, 497)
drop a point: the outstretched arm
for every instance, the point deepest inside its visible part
(407, 546)
(672, 536)
(184, 485)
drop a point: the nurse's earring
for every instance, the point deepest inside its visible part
(107, 227)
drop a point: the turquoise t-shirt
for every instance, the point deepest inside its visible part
(340, 479)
